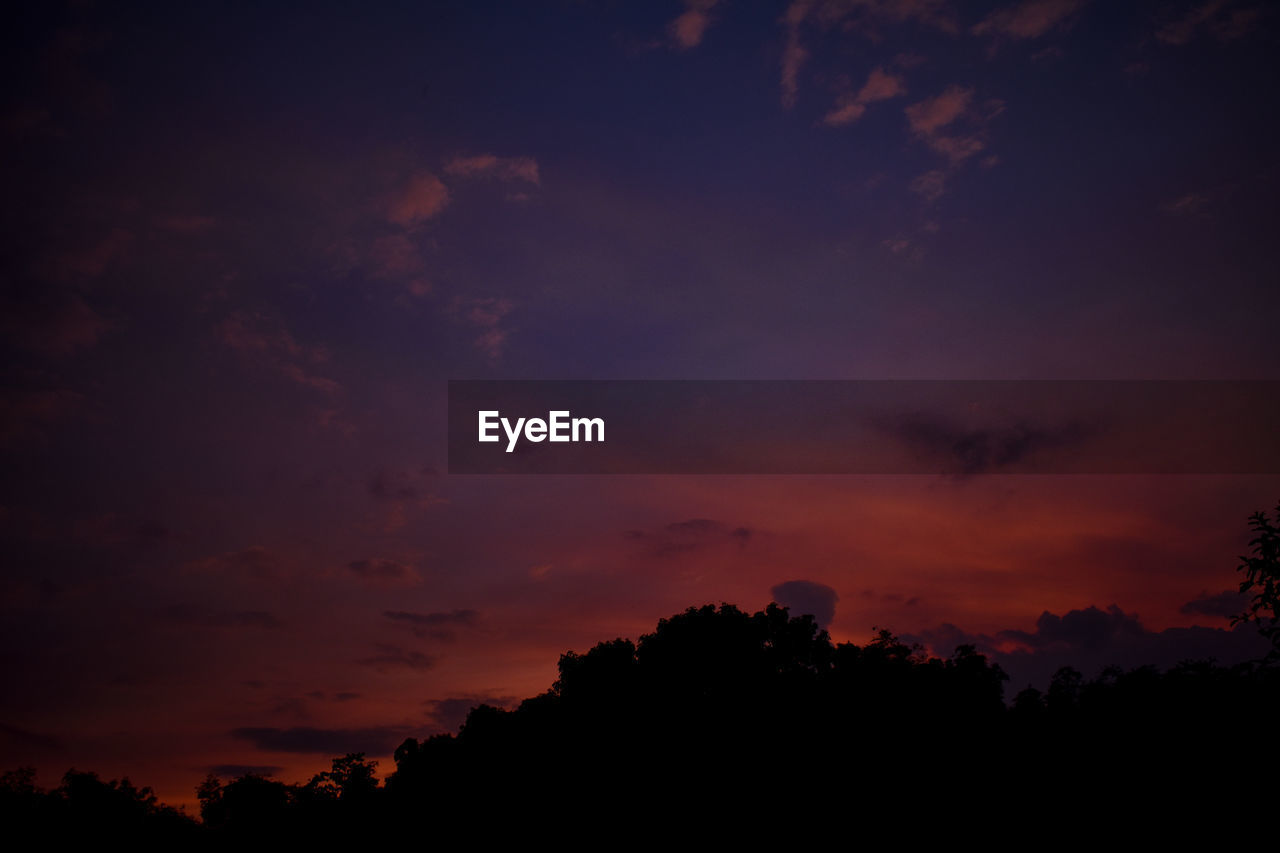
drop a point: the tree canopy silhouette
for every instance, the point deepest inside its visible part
(1261, 568)
(721, 718)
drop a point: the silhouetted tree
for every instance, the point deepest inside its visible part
(1262, 579)
(251, 804)
(720, 719)
(1064, 690)
(1029, 703)
(85, 807)
(350, 778)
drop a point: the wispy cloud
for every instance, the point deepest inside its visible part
(793, 52)
(185, 223)
(435, 626)
(683, 537)
(490, 165)
(953, 125)
(880, 86)
(255, 562)
(1224, 20)
(487, 315)
(450, 713)
(399, 491)
(867, 17)
(373, 740)
(928, 117)
(201, 616)
(25, 415)
(1226, 604)
(1187, 204)
(687, 30)
(395, 258)
(388, 656)
(423, 198)
(55, 324)
(380, 572)
(259, 340)
(1027, 20)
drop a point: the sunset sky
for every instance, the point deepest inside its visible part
(245, 249)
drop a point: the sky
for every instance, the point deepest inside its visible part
(246, 248)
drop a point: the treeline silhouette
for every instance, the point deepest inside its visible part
(722, 719)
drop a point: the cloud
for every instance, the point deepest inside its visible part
(807, 598)
(395, 257)
(929, 116)
(867, 15)
(956, 148)
(435, 626)
(864, 16)
(794, 54)
(321, 696)
(682, 537)
(449, 714)
(60, 86)
(95, 260)
(255, 562)
(880, 86)
(894, 598)
(198, 615)
(372, 740)
(379, 572)
(1093, 638)
(687, 30)
(55, 324)
(235, 771)
(401, 491)
(1225, 20)
(486, 314)
(1226, 604)
(26, 415)
(259, 340)
(489, 165)
(845, 111)
(390, 485)
(185, 223)
(1078, 630)
(421, 200)
(699, 527)
(1187, 205)
(1027, 20)
(970, 451)
(934, 121)
(394, 657)
(953, 125)
(74, 327)
(16, 736)
(110, 530)
(931, 184)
